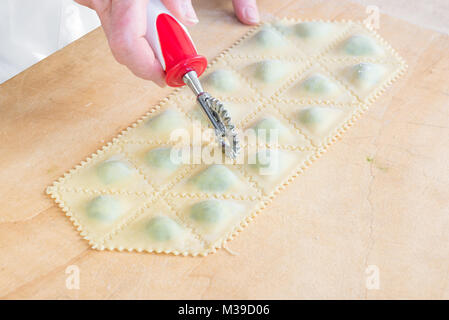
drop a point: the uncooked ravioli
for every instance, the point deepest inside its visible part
(306, 82)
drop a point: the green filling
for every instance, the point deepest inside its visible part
(105, 208)
(319, 119)
(162, 228)
(269, 38)
(365, 74)
(312, 115)
(208, 211)
(160, 158)
(311, 29)
(283, 28)
(216, 178)
(112, 171)
(359, 46)
(223, 80)
(265, 127)
(317, 84)
(270, 70)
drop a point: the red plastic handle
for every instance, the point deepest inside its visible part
(178, 51)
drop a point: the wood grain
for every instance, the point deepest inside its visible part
(314, 241)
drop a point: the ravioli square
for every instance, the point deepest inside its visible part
(220, 180)
(316, 84)
(271, 127)
(161, 124)
(361, 42)
(321, 123)
(212, 219)
(267, 75)
(97, 214)
(156, 229)
(107, 170)
(160, 164)
(312, 37)
(266, 41)
(364, 79)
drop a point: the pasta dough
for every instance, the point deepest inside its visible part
(301, 82)
(216, 178)
(113, 171)
(103, 208)
(223, 80)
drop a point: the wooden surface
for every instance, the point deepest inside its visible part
(378, 197)
(432, 14)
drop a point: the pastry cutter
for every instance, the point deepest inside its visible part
(177, 54)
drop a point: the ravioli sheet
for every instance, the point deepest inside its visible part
(306, 81)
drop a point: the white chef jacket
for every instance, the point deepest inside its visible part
(30, 30)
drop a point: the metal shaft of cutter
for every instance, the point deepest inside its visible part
(192, 81)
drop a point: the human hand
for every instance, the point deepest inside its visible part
(124, 23)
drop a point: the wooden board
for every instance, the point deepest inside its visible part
(378, 197)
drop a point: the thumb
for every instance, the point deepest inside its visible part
(182, 10)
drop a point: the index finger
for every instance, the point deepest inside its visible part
(246, 11)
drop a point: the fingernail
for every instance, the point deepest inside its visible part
(189, 13)
(251, 14)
